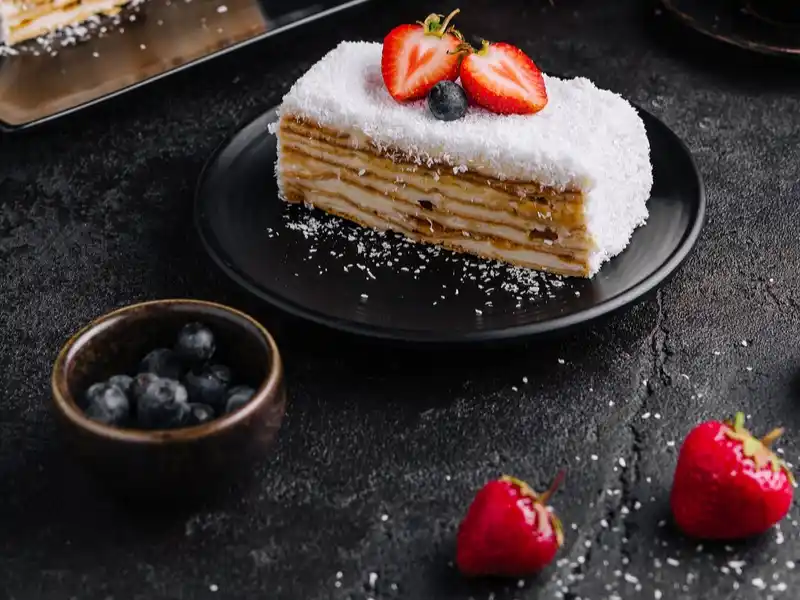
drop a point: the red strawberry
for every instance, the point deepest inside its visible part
(501, 78)
(508, 531)
(417, 57)
(728, 484)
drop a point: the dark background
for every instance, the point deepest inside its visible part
(96, 212)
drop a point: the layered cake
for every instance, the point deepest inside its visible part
(22, 20)
(537, 171)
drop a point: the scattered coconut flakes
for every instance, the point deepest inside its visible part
(736, 565)
(379, 250)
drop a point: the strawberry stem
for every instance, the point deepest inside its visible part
(773, 435)
(484, 47)
(450, 18)
(559, 479)
(738, 421)
(433, 24)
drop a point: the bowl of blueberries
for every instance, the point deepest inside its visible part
(170, 397)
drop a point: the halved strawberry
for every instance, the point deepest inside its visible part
(417, 57)
(503, 79)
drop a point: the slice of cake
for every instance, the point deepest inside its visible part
(560, 190)
(22, 20)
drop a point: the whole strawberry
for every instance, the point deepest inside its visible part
(509, 530)
(417, 57)
(729, 484)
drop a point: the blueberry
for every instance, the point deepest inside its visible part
(106, 403)
(447, 101)
(195, 343)
(199, 414)
(140, 382)
(123, 382)
(161, 404)
(238, 397)
(209, 386)
(162, 362)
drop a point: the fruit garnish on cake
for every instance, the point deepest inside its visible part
(473, 149)
(503, 79)
(417, 57)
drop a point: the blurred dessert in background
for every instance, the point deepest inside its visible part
(22, 20)
(46, 76)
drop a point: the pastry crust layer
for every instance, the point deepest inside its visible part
(522, 223)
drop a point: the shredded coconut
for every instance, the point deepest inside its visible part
(374, 254)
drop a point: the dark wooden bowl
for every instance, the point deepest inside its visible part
(181, 463)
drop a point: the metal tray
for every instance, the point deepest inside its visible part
(49, 77)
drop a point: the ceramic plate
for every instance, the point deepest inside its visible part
(329, 271)
(57, 74)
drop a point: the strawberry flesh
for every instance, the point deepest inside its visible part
(728, 485)
(503, 79)
(508, 531)
(417, 57)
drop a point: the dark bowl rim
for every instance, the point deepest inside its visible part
(66, 405)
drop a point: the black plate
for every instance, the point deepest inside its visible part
(382, 286)
(748, 24)
(53, 76)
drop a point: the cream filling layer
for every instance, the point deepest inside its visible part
(447, 206)
(525, 257)
(471, 190)
(395, 202)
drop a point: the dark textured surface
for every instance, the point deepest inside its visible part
(95, 212)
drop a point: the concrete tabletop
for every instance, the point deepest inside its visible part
(383, 447)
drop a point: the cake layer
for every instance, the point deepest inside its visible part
(479, 196)
(586, 141)
(480, 246)
(368, 189)
(20, 21)
(310, 166)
